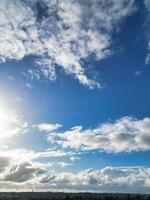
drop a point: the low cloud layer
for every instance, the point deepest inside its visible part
(26, 169)
(28, 174)
(124, 135)
(106, 179)
(60, 33)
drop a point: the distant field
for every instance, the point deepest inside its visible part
(70, 196)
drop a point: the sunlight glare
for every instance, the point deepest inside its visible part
(10, 123)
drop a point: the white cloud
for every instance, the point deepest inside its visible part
(21, 165)
(47, 127)
(108, 179)
(59, 164)
(17, 166)
(147, 59)
(11, 124)
(20, 168)
(51, 153)
(124, 135)
(22, 172)
(23, 155)
(65, 34)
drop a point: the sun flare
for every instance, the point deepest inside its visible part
(10, 122)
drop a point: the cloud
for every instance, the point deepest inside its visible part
(4, 162)
(11, 78)
(60, 33)
(14, 169)
(138, 73)
(20, 169)
(147, 59)
(59, 164)
(11, 124)
(54, 153)
(147, 4)
(147, 21)
(21, 172)
(28, 85)
(21, 165)
(29, 155)
(47, 127)
(108, 179)
(124, 135)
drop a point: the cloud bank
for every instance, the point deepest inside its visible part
(124, 135)
(60, 33)
(25, 169)
(28, 173)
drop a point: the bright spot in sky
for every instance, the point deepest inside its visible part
(10, 122)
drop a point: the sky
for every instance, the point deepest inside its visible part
(74, 95)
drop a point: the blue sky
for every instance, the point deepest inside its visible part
(74, 95)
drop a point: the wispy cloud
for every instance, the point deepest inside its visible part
(22, 155)
(11, 124)
(47, 127)
(65, 34)
(138, 73)
(28, 85)
(147, 7)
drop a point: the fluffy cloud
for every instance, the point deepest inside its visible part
(108, 179)
(17, 166)
(20, 168)
(21, 172)
(47, 127)
(62, 33)
(21, 165)
(126, 134)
